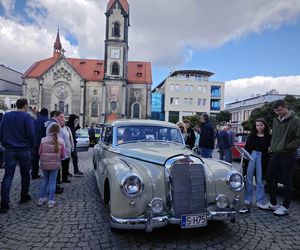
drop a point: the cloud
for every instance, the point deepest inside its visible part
(165, 32)
(249, 87)
(8, 5)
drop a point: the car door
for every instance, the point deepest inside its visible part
(104, 154)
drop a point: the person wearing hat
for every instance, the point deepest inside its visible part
(40, 132)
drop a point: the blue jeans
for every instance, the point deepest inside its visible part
(206, 152)
(11, 160)
(48, 181)
(257, 167)
(225, 154)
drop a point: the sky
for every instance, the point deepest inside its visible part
(252, 46)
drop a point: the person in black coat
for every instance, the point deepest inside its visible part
(207, 137)
(72, 123)
(40, 132)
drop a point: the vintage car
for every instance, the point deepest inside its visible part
(149, 179)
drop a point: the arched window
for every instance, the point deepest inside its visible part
(61, 106)
(94, 109)
(115, 69)
(136, 110)
(116, 29)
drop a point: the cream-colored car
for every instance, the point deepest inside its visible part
(150, 179)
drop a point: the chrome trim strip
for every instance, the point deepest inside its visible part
(162, 221)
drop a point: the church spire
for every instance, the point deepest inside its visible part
(57, 46)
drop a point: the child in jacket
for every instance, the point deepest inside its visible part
(52, 151)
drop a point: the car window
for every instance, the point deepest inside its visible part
(107, 135)
(148, 133)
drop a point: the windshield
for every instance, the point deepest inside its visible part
(148, 133)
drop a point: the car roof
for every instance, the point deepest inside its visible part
(130, 122)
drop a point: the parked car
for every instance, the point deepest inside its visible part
(240, 140)
(83, 140)
(150, 179)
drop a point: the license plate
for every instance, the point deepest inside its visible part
(195, 220)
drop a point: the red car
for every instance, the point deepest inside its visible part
(240, 140)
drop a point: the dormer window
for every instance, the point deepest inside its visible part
(96, 72)
(139, 74)
(82, 62)
(115, 69)
(116, 29)
(140, 66)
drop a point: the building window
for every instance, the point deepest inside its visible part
(176, 101)
(190, 101)
(13, 105)
(199, 101)
(94, 109)
(204, 102)
(177, 87)
(204, 89)
(171, 100)
(115, 69)
(136, 111)
(216, 91)
(191, 88)
(199, 89)
(215, 105)
(173, 116)
(172, 87)
(116, 29)
(113, 106)
(186, 101)
(186, 88)
(139, 74)
(61, 106)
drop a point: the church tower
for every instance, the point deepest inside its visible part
(116, 57)
(57, 47)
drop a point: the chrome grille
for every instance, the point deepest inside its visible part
(188, 189)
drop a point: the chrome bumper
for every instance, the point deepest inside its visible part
(150, 221)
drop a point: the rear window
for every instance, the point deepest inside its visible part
(82, 133)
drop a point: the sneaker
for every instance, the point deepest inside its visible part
(267, 206)
(41, 201)
(281, 211)
(78, 173)
(70, 175)
(51, 204)
(25, 198)
(35, 177)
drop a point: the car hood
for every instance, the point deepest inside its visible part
(156, 152)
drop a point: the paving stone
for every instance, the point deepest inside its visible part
(80, 221)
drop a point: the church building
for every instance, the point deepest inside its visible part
(96, 90)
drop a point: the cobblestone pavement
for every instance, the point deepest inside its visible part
(80, 221)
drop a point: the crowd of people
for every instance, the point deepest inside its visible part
(273, 152)
(48, 144)
(44, 144)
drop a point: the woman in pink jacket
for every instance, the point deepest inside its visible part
(51, 151)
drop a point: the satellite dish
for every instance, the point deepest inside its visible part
(245, 154)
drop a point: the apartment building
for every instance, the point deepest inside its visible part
(242, 109)
(186, 93)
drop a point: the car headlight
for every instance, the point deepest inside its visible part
(235, 181)
(157, 205)
(132, 185)
(222, 201)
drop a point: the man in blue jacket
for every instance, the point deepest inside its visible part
(40, 132)
(17, 137)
